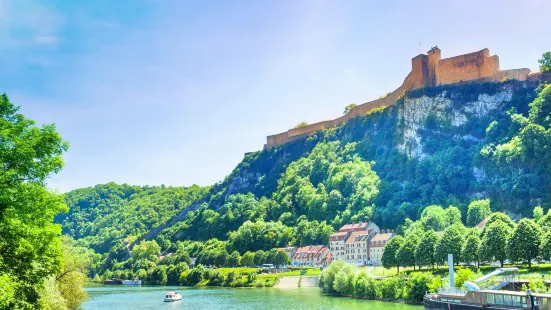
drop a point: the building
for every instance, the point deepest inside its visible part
(377, 246)
(338, 240)
(426, 70)
(357, 247)
(337, 245)
(290, 251)
(313, 255)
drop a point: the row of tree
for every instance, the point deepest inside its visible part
(498, 240)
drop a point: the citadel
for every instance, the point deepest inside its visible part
(426, 70)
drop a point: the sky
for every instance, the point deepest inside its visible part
(173, 92)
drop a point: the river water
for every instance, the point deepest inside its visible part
(119, 297)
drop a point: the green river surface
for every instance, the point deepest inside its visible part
(151, 297)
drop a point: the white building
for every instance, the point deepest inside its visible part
(340, 248)
(377, 246)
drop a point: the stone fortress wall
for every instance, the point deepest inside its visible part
(426, 70)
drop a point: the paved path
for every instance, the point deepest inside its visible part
(293, 282)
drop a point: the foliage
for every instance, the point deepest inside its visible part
(389, 259)
(545, 62)
(471, 249)
(425, 251)
(104, 215)
(463, 275)
(538, 213)
(525, 241)
(349, 108)
(406, 253)
(494, 243)
(301, 124)
(31, 252)
(477, 211)
(451, 242)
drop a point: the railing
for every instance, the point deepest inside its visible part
(456, 291)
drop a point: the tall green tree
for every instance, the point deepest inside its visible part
(471, 249)
(30, 250)
(524, 244)
(497, 217)
(247, 260)
(424, 253)
(477, 211)
(391, 249)
(495, 241)
(451, 242)
(406, 253)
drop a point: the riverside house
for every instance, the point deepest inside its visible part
(312, 255)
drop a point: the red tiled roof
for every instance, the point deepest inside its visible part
(338, 236)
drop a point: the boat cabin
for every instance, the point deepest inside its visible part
(493, 299)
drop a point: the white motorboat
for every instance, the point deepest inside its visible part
(172, 296)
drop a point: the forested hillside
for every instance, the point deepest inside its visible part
(101, 216)
(446, 146)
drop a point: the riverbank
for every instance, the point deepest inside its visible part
(151, 297)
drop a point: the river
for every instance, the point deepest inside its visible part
(119, 297)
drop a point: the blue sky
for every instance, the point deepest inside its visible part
(175, 92)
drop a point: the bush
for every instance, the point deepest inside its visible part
(216, 278)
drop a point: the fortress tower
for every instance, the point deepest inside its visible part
(432, 63)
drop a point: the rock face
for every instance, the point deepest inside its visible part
(441, 109)
(242, 181)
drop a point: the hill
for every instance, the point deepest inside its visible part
(444, 145)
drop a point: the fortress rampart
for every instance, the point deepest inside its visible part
(426, 70)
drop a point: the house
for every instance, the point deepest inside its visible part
(377, 246)
(357, 247)
(337, 241)
(312, 255)
(290, 251)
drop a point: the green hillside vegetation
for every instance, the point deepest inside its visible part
(101, 216)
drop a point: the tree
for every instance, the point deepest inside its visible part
(259, 258)
(538, 213)
(72, 276)
(452, 215)
(30, 249)
(498, 217)
(281, 258)
(247, 259)
(348, 108)
(471, 249)
(301, 124)
(545, 247)
(451, 243)
(545, 62)
(477, 211)
(494, 243)
(391, 249)
(221, 259)
(234, 259)
(525, 241)
(545, 221)
(424, 254)
(158, 276)
(147, 250)
(406, 254)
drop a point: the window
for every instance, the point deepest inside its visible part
(489, 298)
(498, 299)
(507, 300)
